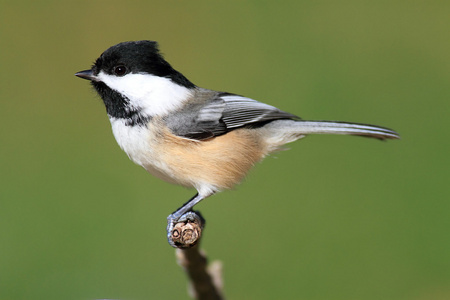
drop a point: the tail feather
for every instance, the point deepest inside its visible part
(280, 132)
(332, 127)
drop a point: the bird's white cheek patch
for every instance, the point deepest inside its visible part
(153, 94)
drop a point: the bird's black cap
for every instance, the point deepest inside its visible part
(137, 57)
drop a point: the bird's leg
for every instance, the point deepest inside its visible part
(184, 214)
(186, 207)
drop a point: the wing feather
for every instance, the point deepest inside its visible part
(241, 111)
(214, 114)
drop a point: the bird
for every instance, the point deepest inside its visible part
(192, 136)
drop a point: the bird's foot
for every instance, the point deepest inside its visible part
(184, 231)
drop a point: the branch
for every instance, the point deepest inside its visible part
(205, 283)
(188, 231)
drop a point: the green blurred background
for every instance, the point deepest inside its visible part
(333, 218)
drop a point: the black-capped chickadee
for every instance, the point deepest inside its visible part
(189, 135)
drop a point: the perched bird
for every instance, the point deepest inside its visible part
(188, 135)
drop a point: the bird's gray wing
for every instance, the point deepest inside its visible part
(220, 113)
(241, 111)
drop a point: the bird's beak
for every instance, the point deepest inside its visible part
(87, 74)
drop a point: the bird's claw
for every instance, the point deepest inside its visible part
(184, 231)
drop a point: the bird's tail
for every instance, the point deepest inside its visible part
(286, 131)
(332, 127)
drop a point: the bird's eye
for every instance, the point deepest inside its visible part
(120, 70)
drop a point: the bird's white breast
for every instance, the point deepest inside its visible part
(139, 143)
(132, 139)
